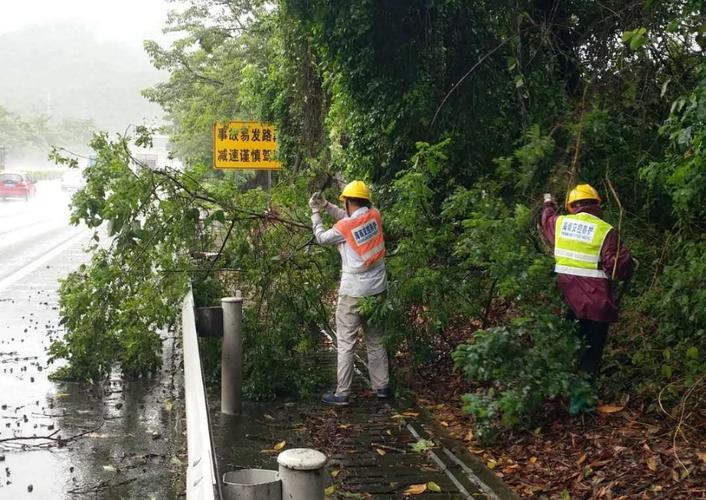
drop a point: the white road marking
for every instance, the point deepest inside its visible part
(47, 257)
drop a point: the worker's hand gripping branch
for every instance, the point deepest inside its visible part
(317, 202)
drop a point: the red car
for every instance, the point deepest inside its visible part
(16, 185)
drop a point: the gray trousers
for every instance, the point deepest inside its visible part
(348, 321)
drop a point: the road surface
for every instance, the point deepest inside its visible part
(132, 442)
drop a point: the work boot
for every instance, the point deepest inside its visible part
(330, 398)
(385, 393)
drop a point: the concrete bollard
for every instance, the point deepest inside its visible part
(232, 355)
(302, 473)
(252, 484)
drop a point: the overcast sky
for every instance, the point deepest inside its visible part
(130, 21)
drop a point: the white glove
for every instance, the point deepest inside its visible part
(316, 202)
(548, 198)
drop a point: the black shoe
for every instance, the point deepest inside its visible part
(385, 393)
(330, 398)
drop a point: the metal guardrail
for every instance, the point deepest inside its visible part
(202, 473)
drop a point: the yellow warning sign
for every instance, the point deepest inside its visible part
(245, 145)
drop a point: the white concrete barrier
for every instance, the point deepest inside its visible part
(201, 474)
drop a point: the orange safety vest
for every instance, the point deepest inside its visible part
(364, 235)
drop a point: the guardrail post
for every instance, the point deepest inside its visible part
(302, 473)
(232, 355)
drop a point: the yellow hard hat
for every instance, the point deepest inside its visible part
(582, 192)
(355, 189)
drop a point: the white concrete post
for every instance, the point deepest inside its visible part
(302, 473)
(232, 355)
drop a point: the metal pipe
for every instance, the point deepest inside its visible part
(232, 355)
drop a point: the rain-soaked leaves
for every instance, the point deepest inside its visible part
(422, 446)
(416, 489)
(432, 486)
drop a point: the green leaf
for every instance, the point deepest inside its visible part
(219, 215)
(637, 41)
(422, 446)
(432, 486)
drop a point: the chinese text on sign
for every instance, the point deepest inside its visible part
(245, 145)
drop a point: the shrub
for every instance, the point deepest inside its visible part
(520, 366)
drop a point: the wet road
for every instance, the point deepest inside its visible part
(130, 443)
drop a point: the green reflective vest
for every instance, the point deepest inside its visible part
(578, 242)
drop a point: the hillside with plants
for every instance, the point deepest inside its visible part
(62, 71)
(460, 114)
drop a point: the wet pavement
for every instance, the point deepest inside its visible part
(370, 446)
(67, 440)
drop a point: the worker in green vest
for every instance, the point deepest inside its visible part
(588, 258)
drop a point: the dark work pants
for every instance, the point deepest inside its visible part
(594, 335)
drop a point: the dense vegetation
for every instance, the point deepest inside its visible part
(461, 114)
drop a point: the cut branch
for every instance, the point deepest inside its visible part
(460, 81)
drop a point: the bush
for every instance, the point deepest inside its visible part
(520, 366)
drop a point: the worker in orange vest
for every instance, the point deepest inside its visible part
(359, 236)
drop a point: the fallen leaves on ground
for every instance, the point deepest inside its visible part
(610, 409)
(618, 452)
(415, 489)
(422, 446)
(432, 486)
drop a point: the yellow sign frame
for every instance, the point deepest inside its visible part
(245, 145)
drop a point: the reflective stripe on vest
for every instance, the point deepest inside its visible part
(365, 237)
(578, 242)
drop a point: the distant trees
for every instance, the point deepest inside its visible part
(30, 139)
